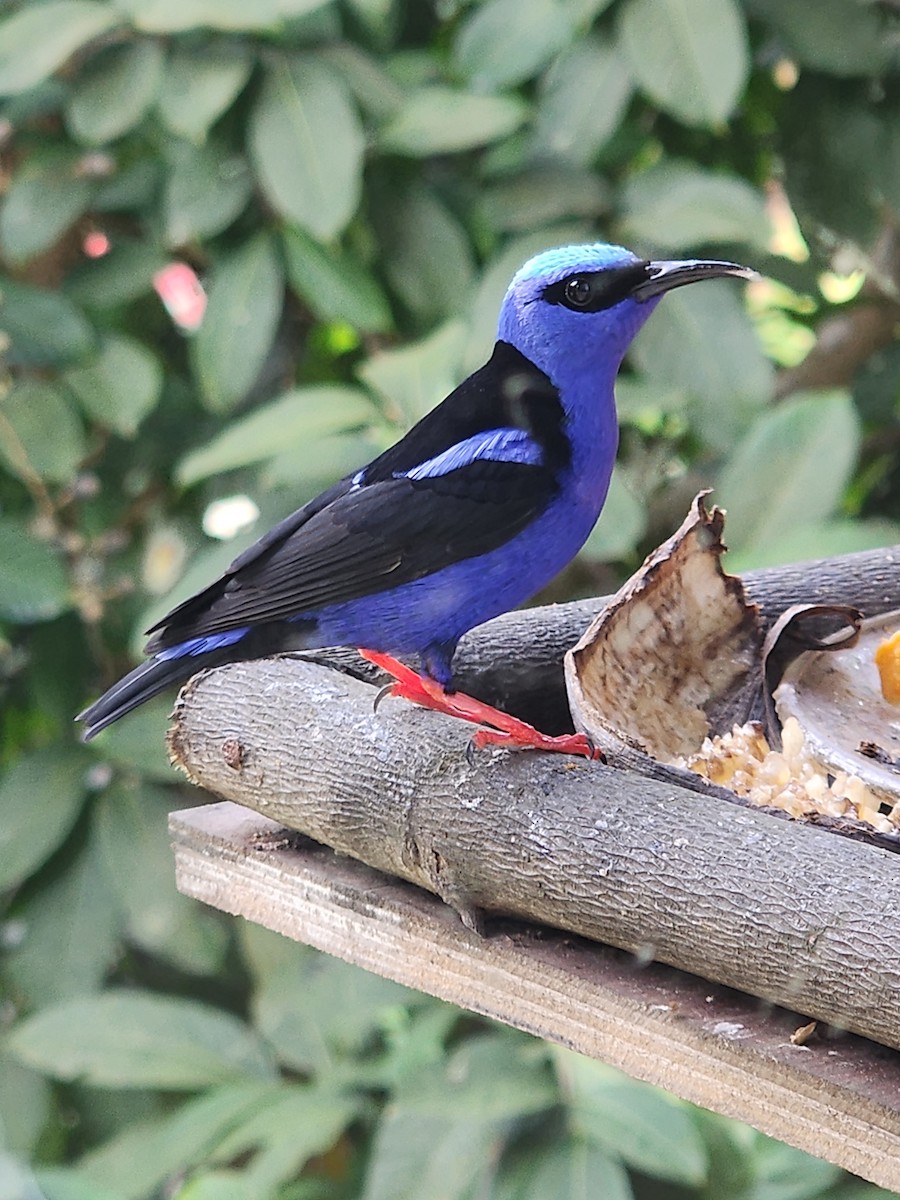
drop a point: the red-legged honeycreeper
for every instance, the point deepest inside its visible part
(467, 516)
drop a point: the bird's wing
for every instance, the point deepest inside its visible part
(466, 501)
(184, 614)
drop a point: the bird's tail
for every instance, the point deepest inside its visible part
(175, 664)
(145, 681)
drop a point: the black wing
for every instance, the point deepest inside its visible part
(382, 531)
(366, 540)
(508, 392)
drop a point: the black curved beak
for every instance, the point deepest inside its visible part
(665, 275)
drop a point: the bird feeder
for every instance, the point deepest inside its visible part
(636, 911)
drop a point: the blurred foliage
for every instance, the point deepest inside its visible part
(354, 182)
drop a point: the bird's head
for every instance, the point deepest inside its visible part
(577, 309)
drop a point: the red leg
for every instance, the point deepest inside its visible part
(505, 730)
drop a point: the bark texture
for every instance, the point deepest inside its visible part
(784, 911)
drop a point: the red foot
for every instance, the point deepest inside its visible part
(505, 730)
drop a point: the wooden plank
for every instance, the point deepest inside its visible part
(838, 1097)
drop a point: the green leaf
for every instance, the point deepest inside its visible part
(123, 275)
(790, 470)
(16, 1180)
(219, 1185)
(263, 952)
(132, 829)
(245, 300)
(307, 145)
(842, 157)
(311, 1007)
(732, 1155)
(24, 1107)
(335, 284)
(49, 782)
(303, 1122)
(676, 206)
(582, 101)
(689, 56)
(622, 523)
(426, 253)
(70, 932)
(132, 1039)
(417, 1042)
(439, 120)
(420, 1156)
(415, 377)
(176, 16)
(573, 1168)
(783, 1173)
(39, 38)
(491, 1077)
(701, 339)
(290, 422)
(198, 88)
(379, 18)
(365, 76)
(43, 201)
(640, 401)
(651, 1131)
(844, 39)
(308, 469)
(816, 539)
(34, 587)
(523, 202)
(45, 329)
(139, 744)
(281, 1127)
(206, 189)
(62, 1183)
(504, 42)
(112, 95)
(121, 386)
(139, 1160)
(133, 186)
(583, 12)
(40, 433)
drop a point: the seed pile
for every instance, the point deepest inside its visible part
(790, 778)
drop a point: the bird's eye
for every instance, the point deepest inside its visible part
(578, 291)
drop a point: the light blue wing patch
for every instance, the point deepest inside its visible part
(200, 645)
(495, 445)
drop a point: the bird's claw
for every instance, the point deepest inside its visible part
(383, 693)
(529, 738)
(501, 729)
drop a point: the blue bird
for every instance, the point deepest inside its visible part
(477, 507)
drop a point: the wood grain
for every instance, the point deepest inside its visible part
(838, 1098)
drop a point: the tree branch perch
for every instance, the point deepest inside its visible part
(786, 912)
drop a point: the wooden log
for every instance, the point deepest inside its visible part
(838, 1098)
(788, 913)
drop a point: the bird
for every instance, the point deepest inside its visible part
(476, 508)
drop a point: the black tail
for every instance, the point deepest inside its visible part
(175, 665)
(147, 680)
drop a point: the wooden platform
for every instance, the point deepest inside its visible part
(837, 1097)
